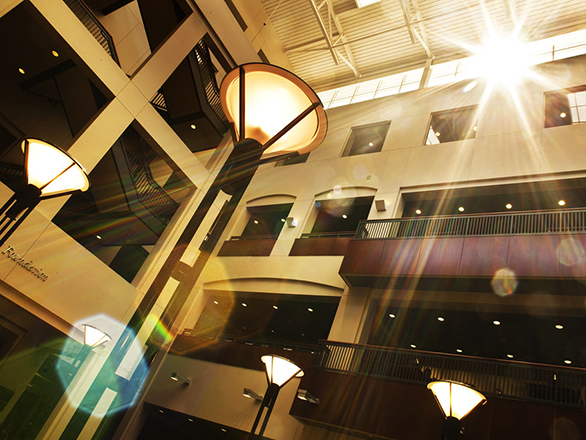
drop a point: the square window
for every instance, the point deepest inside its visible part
(366, 139)
(565, 107)
(452, 125)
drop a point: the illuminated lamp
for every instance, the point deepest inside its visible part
(274, 115)
(279, 371)
(94, 337)
(50, 172)
(456, 401)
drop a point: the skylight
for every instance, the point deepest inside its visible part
(537, 52)
(362, 3)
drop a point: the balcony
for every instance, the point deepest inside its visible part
(382, 391)
(248, 246)
(537, 244)
(333, 243)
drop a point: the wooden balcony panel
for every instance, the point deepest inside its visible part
(534, 255)
(572, 255)
(399, 257)
(340, 246)
(483, 256)
(362, 257)
(302, 246)
(323, 245)
(440, 256)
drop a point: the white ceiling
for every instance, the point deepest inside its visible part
(351, 44)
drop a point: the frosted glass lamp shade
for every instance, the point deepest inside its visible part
(273, 98)
(51, 169)
(280, 370)
(93, 337)
(455, 399)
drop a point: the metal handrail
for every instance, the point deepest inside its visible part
(148, 192)
(252, 237)
(529, 222)
(518, 380)
(208, 79)
(91, 22)
(328, 234)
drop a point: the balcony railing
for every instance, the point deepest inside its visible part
(518, 380)
(531, 222)
(91, 22)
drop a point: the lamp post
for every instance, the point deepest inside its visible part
(456, 401)
(273, 115)
(279, 371)
(50, 172)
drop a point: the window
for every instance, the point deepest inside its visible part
(366, 139)
(565, 107)
(341, 215)
(452, 125)
(266, 221)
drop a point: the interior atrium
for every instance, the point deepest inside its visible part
(430, 228)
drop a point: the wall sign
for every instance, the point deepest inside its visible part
(9, 252)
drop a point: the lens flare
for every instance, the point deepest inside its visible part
(504, 282)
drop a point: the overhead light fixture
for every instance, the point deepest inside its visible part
(251, 394)
(456, 401)
(559, 326)
(508, 206)
(21, 70)
(178, 378)
(55, 53)
(291, 222)
(562, 202)
(94, 337)
(279, 372)
(307, 396)
(440, 318)
(495, 322)
(50, 172)
(567, 361)
(418, 211)
(461, 209)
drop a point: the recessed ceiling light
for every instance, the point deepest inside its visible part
(55, 53)
(440, 319)
(559, 326)
(275, 307)
(418, 211)
(309, 309)
(562, 202)
(413, 346)
(223, 430)
(99, 237)
(193, 127)
(567, 361)
(215, 302)
(244, 305)
(161, 411)
(21, 70)
(391, 315)
(458, 350)
(510, 356)
(508, 206)
(255, 222)
(475, 128)
(370, 144)
(437, 133)
(495, 322)
(191, 420)
(283, 220)
(344, 216)
(461, 209)
(563, 114)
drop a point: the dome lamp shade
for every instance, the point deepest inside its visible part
(52, 170)
(274, 107)
(455, 399)
(94, 337)
(280, 370)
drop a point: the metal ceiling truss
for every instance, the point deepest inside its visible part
(334, 34)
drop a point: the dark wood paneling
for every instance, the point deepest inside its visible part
(572, 255)
(302, 246)
(483, 256)
(320, 246)
(534, 255)
(362, 257)
(399, 257)
(247, 248)
(404, 411)
(340, 246)
(440, 256)
(323, 245)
